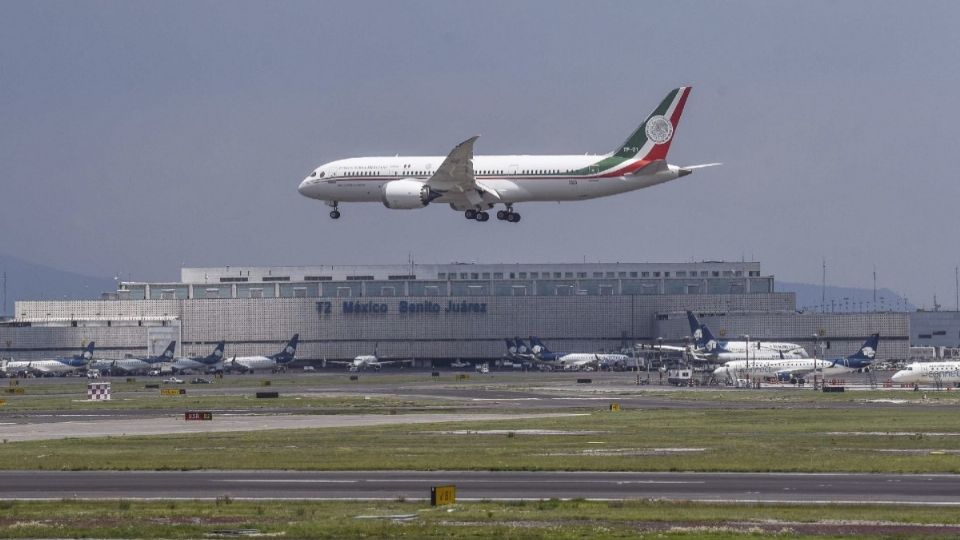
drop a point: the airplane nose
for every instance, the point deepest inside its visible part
(303, 187)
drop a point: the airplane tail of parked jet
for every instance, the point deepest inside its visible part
(87, 353)
(288, 352)
(702, 336)
(167, 354)
(863, 357)
(216, 355)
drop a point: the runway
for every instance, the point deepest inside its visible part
(85, 427)
(932, 489)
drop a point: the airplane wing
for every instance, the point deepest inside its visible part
(388, 362)
(336, 362)
(454, 177)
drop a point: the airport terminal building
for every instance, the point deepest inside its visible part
(435, 313)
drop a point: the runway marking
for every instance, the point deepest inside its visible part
(661, 482)
(287, 481)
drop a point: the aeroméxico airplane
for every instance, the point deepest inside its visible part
(59, 366)
(474, 184)
(249, 364)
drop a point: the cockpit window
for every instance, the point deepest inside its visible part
(314, 173)
(321, 175)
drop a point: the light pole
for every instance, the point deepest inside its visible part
(659, 357)
(746, 338)
(816, 345)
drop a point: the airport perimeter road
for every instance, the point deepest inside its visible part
(471, 485)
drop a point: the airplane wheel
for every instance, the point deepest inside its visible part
(502, 215)
(335, 214)
(482, 216)
(513, 217)
(470, 214)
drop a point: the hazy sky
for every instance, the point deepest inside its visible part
(137, 137)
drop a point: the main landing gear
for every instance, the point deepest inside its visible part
(335, 213)
(474, 214)
(502, 215)
(508, 215)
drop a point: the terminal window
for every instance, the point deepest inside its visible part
(598, 274)
(486, 275)
(633, 274)
(581, 274)
(534, 275)
(681, 273)
(498, 275)
(645, 274)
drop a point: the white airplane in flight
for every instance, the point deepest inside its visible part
(474, 184)
(365, 361)
(58, 366)
(788, 369)
(928, 372)
(249, 364)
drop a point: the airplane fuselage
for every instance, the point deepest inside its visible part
(44, 367)
(928, 372)
(514, 179)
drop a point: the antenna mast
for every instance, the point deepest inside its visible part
(823, 289)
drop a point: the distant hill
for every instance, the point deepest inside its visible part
(844, 299)
(31, 281)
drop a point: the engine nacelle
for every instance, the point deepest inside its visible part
(406, 194)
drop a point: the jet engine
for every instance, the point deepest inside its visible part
(407, 194)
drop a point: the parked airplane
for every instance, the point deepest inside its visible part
(278, 361)
(789, 369)
(212, 362)
(928, 372)
(131, 365)
(724, 351)
(575, 361)
(365, 361)
(517, 350)
(474, 184)
(58, 366)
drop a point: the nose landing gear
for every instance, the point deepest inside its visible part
(335, 213)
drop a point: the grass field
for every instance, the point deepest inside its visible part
(537, 519)
(784, 439)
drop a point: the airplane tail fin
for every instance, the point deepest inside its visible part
(868, 351)
(702, 335)
(538, 346)
(651, 141)
(217, 353)
(694, 324)
(168, 352)
(87, 353)
(288, 352)
(521, 346)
